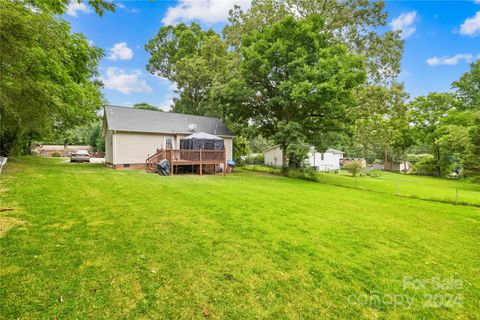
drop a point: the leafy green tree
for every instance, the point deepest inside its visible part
(382, 122)
(468, 87)
(357, 24)
(46, 73)
(240, 148)
(295, 85)
(354, 167)
(471, 158)
(258, 144)
(60, 6)
(429, 114)
(192, 59)
(145, 106)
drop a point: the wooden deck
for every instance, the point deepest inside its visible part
(187, 157)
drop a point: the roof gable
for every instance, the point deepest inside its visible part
(138, 120)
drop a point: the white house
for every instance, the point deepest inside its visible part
(328, 160)
(131, 135)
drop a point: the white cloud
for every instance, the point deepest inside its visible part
(476, 1)
(120, 80)
(405, 23)
(74, 8)
(471, 26)
(207, 11)
(125, 8)
(120, 51)
(451, 61)
(166, 104)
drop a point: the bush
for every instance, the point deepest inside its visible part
(424, 165)
(56, 154)
(254, 159)
(353, 168)
(308, 174)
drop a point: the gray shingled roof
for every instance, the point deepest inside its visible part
(138, 120)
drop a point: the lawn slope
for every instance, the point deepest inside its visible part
(421, 187)
(97, 243)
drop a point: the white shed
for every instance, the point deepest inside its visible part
(328, 160)
(273, 156)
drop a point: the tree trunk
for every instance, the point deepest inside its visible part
(385, 160)
(292, 163)
(437, 160)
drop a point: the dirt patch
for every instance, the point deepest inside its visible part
(7, 223)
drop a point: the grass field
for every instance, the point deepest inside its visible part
(428, 188)
(89, 242)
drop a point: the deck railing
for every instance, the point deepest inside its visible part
(185, 157)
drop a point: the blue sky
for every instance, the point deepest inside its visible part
(441, 38)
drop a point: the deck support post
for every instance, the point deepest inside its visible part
(171, 162)
(224, 161)
(201, 161)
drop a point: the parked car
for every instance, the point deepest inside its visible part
(80, 156)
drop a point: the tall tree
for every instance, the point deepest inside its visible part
(192, 59)
(46, 76)
(295, 85)
(358, 24)
(382, 122)
(471, 157)
(429, 114)
(468, 87)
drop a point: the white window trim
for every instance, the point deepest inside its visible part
(165, 141)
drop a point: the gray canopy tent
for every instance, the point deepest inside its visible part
(202, 140)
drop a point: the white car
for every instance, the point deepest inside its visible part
(80, 156)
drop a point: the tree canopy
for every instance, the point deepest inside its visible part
(46, 76)
(295, 85)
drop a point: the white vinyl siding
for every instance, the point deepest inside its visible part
(108, 147)
(133, 148)
(273, 157)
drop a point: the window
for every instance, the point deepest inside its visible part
(321, 156)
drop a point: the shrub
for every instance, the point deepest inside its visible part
(424, 165)
(56, 154)
(308, 174)
(353, 168)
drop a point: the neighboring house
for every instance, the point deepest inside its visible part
(131, 135)
(65, 151)
(392, 166)
(328, 160)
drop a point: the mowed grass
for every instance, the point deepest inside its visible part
(91, 242)
(422, 187)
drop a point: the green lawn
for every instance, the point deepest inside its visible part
(90, 242)
(429, 188)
